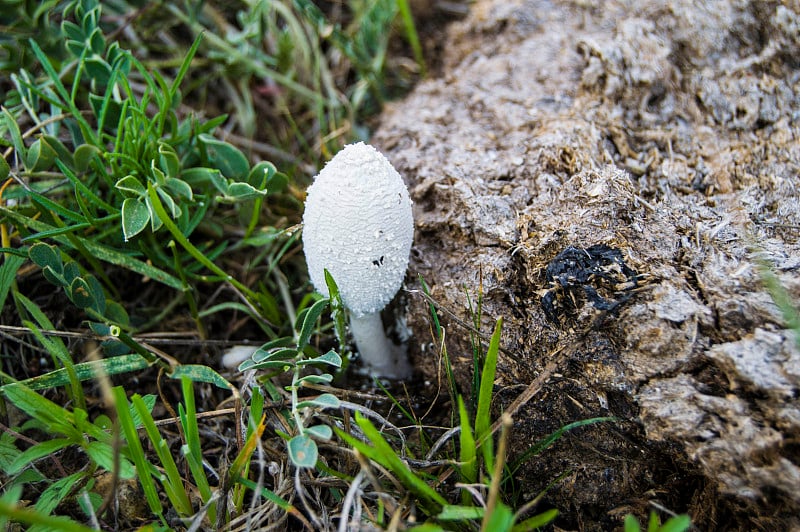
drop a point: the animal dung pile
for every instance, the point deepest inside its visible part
(617, 183)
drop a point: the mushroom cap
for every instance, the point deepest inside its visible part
(358, 225)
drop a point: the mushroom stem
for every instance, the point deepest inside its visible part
(380, 355)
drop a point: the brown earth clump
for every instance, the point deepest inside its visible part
(617, 181)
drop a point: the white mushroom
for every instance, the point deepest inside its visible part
(358, 225)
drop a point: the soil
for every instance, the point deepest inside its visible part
(617, 183)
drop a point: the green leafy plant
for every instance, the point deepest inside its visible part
(70, 428)
(91, 170)
(290, 354)
(478, 465)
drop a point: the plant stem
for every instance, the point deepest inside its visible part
(188, 246)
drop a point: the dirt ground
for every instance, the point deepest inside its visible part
(614, 176)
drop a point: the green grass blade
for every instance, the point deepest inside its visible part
(270, 495)
(467, 451)
(56, 232)
(62, 91)
(56, 492)
(59, 351)
(33, 517)
(87, 370)
(411, 35)
(81, 188)
(483, 420)
(16, 134)
(8, 274)
(99, 251)
(58, 419)
(383, 453)
(36, 452)
(187, 62)
(780, 296)
(551, 438)
(460, 513)
(46, 203)
(172, 482)
(192, 451)
(136, 452)
(188, 246)
(536, 522)
(54, 346)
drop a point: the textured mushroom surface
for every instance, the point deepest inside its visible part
(358, 225)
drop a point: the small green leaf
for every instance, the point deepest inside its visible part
(72, 31)
(168, 160)
(45, 255)
(303, 451)
(103, 455)
(267, 364)
(149, 402)
(81, 294)
(179, 188)
(97, 42)
(200, 373)
(155, 220)
(130, 185)
(631, 524)
(325, 400)
(261, 174)
(309, 321)
(135, 216)
(98, 69)
(40, 156)
(71, 271)
(320, 432)
(74, 47)
(225, 157)
(202, 176)
(169, 203)
(323, 378)
(331, 358)
(117, 313)
(265, 351)
(679, 523)
(276, 353)
(58, 147)
(97, 293)
(53, 277)
(242, 191)
(84, 154)
(452, 512)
